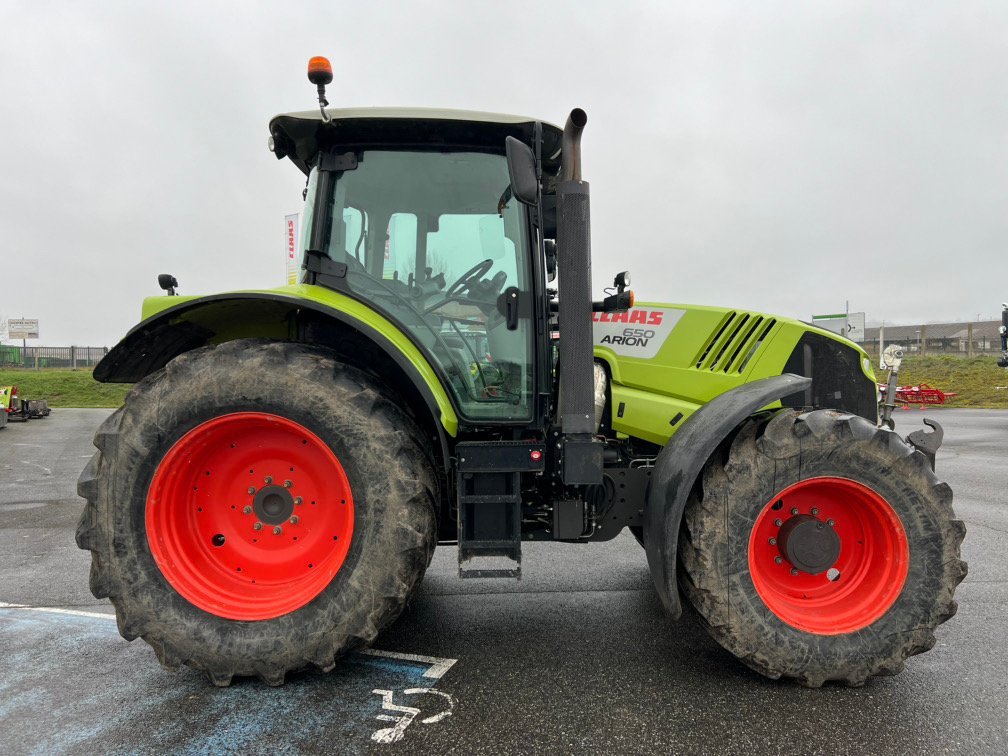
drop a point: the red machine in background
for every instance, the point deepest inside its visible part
(922, 394)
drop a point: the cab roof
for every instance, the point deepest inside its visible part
(300, 136)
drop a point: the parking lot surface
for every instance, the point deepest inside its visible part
(576, 657)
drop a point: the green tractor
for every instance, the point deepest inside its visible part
(12, 406)
(7, 394)
(273, 489)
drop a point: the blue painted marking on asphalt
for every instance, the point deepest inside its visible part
(413, 671)
(69, 682)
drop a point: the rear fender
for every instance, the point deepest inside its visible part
(197, 322)
(679, 465)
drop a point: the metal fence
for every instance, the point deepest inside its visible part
(966, 339)
(72, 357)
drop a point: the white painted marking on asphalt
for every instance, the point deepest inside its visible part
(408, 713)
(395, 733)
(442, 714)
(438, 667)
(56, 610)
(36, 464)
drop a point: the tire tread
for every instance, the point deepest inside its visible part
(383, 420)
(786, 440)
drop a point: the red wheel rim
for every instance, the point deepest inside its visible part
(867, 576)
(212, 488)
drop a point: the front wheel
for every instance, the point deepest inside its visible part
(819, 547)
(256, 507)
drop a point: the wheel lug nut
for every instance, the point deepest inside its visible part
(777, 560)
(778, 522)
(277, 530)
(294, 520)
(794, 510)
(773, 541)
(815, 510)
(830, 523)
(268, 479)
(247, 509)
(288, 483)
(794, 571)
(257, 526)
(251, 489)
(298, 500)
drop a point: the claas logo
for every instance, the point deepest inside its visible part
(291, 241)
(644, 317)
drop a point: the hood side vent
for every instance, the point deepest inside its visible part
(714, 342)
(725, 342)
(734, 342)
(752, 344)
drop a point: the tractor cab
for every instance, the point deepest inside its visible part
(411, 212)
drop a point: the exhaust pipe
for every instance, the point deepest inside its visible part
(570, 146)
(582, 457)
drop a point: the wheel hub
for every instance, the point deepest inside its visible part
(239, 551)
(809, 544)
(828, 555)
(273, 505)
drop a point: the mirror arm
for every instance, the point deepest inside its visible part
(506, 195)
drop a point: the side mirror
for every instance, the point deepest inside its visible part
(522, 170)
(168, 282)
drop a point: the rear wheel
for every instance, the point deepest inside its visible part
(270, 508)
(820, 547)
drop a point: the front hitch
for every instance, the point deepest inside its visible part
(927, 443)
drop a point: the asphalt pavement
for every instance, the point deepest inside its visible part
(577, 657)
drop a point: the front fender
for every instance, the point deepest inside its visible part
(680, 462)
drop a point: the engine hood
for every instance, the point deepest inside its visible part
(666, 360)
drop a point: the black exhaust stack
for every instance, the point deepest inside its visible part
(582, 456)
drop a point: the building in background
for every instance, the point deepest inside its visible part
(965, 339)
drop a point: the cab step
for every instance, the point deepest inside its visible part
(489, 477)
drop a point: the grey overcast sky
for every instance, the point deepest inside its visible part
(773, 155)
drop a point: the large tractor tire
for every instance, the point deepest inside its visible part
(819, 547)
(255, 508)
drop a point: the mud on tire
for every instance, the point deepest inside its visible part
(769, 456)
(391, 477)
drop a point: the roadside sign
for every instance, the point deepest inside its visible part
(850, 325)
(21, 328)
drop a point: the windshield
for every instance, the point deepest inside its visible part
(424, 243)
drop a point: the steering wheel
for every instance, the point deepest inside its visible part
(471, 276)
